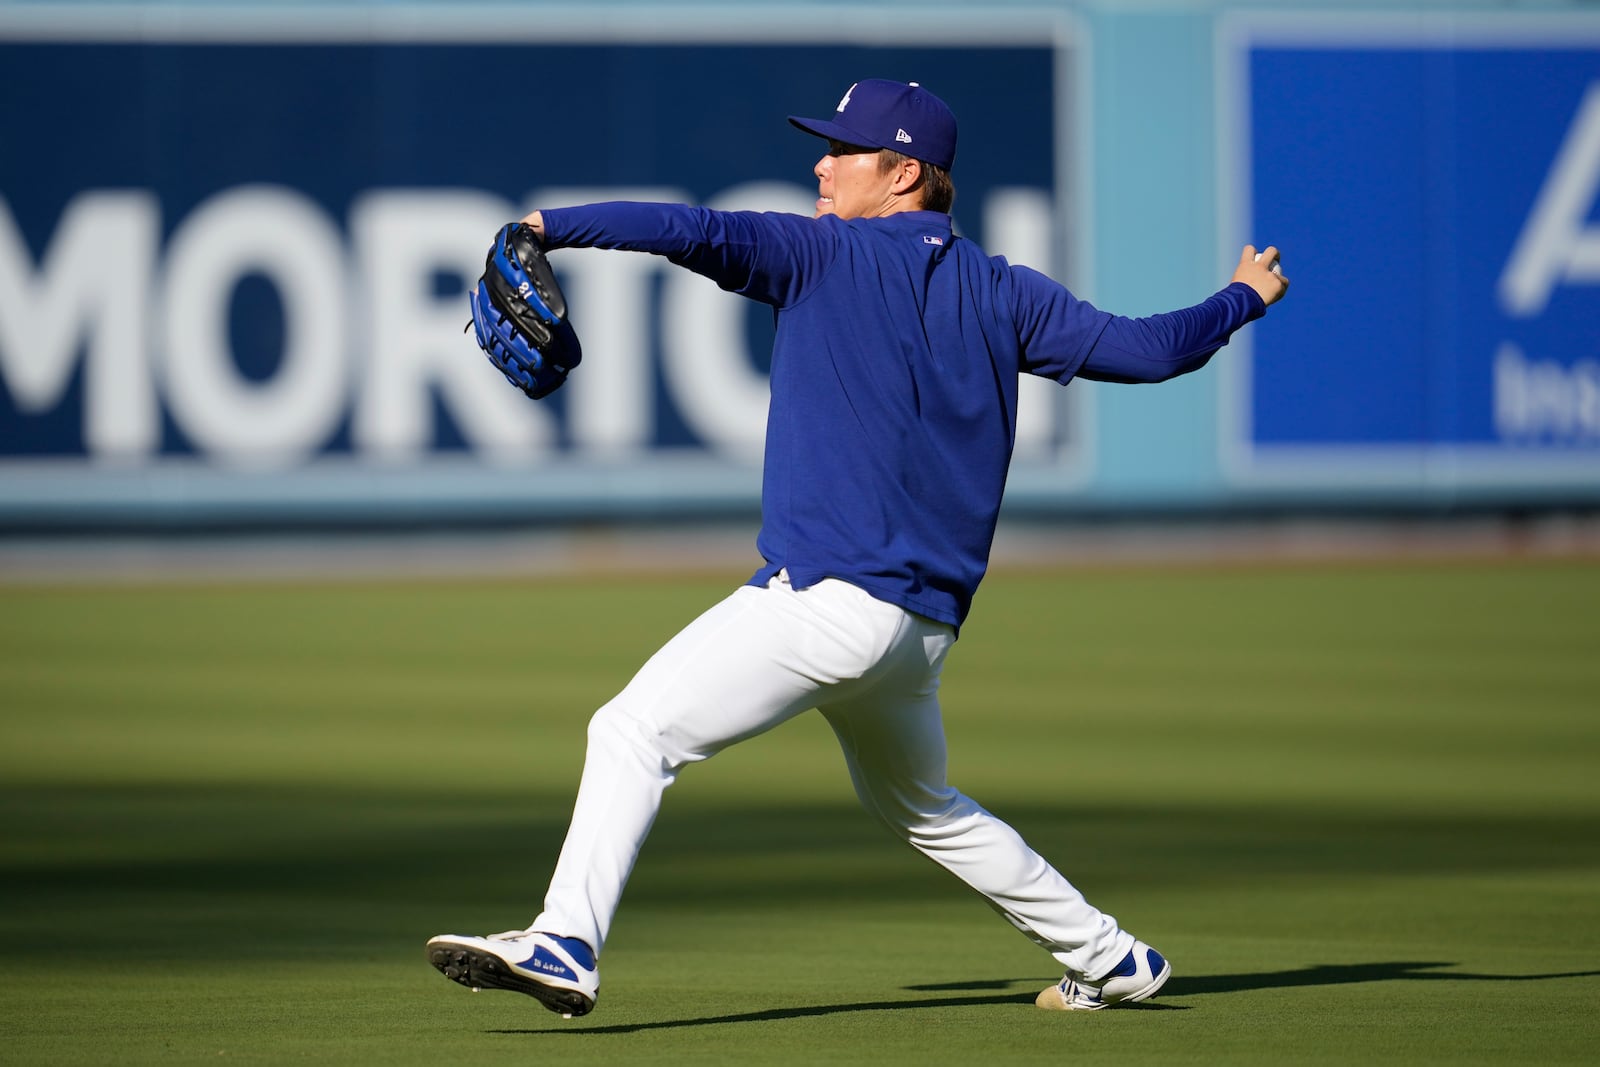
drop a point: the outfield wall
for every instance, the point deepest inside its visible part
(234, 241)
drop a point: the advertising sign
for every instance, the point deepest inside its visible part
(1435, 186)
(235, 245)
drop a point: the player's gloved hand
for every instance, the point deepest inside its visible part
(520, 315)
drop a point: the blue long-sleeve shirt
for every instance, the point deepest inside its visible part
(894, 379)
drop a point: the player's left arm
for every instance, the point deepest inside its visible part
(767, 256)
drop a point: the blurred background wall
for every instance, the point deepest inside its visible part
(235, 241)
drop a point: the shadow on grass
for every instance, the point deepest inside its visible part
(1345, 974)
(1326, 974)
(1321, 975)
(810, 1011)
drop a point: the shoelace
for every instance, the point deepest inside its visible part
(1072, 991)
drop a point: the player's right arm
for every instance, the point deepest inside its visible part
(1063, 337)
(767, 256)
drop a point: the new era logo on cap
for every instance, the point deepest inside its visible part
(878, 113)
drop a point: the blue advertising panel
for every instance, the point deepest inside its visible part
(234, 255)
(1435, 186)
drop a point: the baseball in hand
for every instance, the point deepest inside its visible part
(1276, 268)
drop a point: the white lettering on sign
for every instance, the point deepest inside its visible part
(282, 235)
(1557, 244)
(1543, 400)
(1018, 224)
(89, 296)
(371, 336)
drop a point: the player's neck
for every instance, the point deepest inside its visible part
(897, 205)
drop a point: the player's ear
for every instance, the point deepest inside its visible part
(908, 175)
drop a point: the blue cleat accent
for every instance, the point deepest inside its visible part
(578, 951)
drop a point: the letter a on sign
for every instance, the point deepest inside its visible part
(1555, 244)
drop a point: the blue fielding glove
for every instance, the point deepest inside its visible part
(520, 315)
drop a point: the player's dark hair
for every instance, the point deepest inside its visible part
(938, 191)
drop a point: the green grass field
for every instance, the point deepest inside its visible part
(1357, 805)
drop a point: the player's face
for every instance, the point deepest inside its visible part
(851, 184)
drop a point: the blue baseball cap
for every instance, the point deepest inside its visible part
(878, 113)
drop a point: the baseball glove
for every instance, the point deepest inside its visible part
(520, 316)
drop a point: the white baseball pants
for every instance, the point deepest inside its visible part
(758, 658)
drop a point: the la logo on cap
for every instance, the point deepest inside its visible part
(845, 101)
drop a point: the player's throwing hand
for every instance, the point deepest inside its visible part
(1263, 272)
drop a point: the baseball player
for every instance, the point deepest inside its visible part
(894, 381)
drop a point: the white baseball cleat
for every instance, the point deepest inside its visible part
(559, 972)
(1142, 971)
